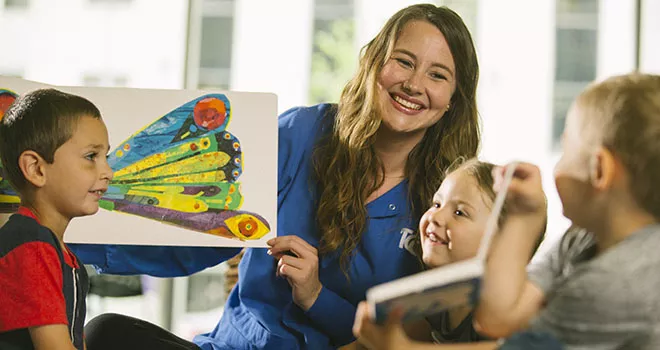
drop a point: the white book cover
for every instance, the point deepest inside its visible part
(191, 168)
(436, 290)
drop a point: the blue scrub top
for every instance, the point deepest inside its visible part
(260, 313)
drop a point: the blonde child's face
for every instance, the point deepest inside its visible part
(452, 228)
(572, 170)
(80, 173)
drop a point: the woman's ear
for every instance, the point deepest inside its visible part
(33, 167)
(602, 169)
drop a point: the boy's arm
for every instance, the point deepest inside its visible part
(508, 300)
(51, 337)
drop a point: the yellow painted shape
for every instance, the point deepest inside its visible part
(209, 176)
(4, 198)
(183, 203)
(246, 226)
(170, 156)
(192, 165)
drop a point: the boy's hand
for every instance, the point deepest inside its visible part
(389, 336)
(525, 196)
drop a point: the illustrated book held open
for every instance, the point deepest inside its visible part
(437, 290)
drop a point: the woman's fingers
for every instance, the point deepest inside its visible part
(294, 244)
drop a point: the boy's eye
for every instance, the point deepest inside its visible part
(435, 205)
(91, 156)
(459, 212)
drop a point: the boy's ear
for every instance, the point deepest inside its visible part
(602, 169)
(33, 167)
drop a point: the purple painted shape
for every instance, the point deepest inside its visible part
(202, 222)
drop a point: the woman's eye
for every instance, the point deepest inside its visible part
(404, 63)
(459, 212)
(435, 205)
(438, 76)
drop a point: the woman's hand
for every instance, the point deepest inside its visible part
(299, 263)
(389, 336)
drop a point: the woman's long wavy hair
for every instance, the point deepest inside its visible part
(346, 167)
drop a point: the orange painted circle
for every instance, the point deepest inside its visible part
(247, 227)
(210, 113)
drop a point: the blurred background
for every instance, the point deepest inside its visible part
(535, 57)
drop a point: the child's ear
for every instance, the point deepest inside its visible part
(33, 167)
(602, 168)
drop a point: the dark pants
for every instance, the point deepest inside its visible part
(527, 340)
(113, 332)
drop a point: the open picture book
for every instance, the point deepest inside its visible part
(437, 290)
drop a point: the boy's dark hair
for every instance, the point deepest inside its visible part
(40, 121)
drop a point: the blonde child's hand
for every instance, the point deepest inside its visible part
(525, 196)
(389, 336)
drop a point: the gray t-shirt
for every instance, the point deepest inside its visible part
(610, 301)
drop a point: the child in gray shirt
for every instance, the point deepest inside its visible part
(598, 288)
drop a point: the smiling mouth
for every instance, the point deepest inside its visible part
(406, 103)
(435, 239)
(98, 192)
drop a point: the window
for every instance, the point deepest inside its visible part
(467, 9)
(334, 56)
(576, 53)
(16, 4)
(104, 80)
(210, 44)
(215, 55)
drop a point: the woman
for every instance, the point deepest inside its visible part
(354, 179)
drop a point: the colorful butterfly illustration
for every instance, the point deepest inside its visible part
(181, 169)
(9, 200)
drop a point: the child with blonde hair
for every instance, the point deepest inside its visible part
(598, 287)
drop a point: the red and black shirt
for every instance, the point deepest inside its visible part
(40, 283)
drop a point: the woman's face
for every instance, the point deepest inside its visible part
(416, 83)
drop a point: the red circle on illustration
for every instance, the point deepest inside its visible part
(210, 113)
(6, 99)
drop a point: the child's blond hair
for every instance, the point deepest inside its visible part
(624, 111)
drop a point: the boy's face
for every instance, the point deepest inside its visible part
(572, 177)
(452, 228)
(80, 173)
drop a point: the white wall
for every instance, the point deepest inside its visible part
(650, 53)
(59, 42)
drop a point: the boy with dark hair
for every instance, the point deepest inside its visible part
(53, 149)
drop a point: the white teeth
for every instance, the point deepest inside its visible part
(407, 104)
(435, 239)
